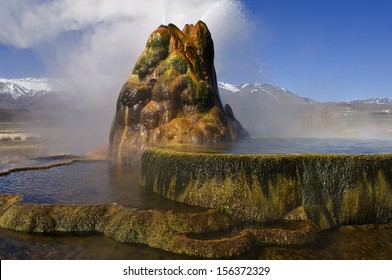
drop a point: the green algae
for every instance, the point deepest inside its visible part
(183, 233)
(329, 190)
(175, 61)
(171, 96)
(156, 50)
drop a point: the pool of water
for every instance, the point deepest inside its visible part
(347, 243)
(311, 145)
(94, 182)
(296, 146)
(99, 182)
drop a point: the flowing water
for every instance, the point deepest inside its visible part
(99, 182)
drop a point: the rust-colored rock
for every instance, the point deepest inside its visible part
(171, 96)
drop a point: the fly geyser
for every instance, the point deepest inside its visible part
(171, 96)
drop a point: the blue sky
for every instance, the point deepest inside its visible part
(325, 50)
(16, 62)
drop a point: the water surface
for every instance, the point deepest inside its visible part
(370, 242)
(311, 145)
(296, 146)
(99, 182)
(95, 182)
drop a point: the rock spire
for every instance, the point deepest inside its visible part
(171, 96)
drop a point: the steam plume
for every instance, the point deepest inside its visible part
(93, 44)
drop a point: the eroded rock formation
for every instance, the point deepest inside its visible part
(209, 234)
(171, 96)
(329, 190)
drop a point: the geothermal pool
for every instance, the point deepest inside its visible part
(98, 182)
(298, 146)
(95, 182)
(311, 145)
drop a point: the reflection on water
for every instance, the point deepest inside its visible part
(20, 245)
(94, 182)
(310, 145)
(372, 242)
(350, 242)
(295, 146)
(99, 182)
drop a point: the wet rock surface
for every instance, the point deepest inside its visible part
(207, 234)
(333, 191)
(363, 242)
(370, 242)
(171, 96)
(44, 162)
(329, 190)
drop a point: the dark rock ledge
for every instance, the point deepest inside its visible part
(207, 234)
(63, 160)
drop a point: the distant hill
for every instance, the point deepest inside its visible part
(19, 115)
(28, 91)
(262, 92)
(264, 110)
(43, 95)
(272, 111)
(376, 100)
(27, 87)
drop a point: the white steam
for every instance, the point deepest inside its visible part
(93, 44)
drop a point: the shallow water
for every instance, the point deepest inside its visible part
(94, 182)
(99, 182)
(24, 246)
(347, 243)
(296, 146)
(311, 145)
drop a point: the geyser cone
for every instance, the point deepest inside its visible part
(171, 96)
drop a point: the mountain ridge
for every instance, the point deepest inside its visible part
(271, 92)
(264, 110)
(27, 87)
(374, 100)
(15, 89)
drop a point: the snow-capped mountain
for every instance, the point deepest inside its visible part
(37, 95)
(26, 87)
(15, 90)
(264, 110)
(276, 94)
(262, 92)
(375, 100)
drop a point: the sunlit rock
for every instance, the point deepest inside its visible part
(329, 190)
(208, 233)
(171, 96)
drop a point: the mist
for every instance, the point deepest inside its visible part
(282, 114)
(92, 45)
